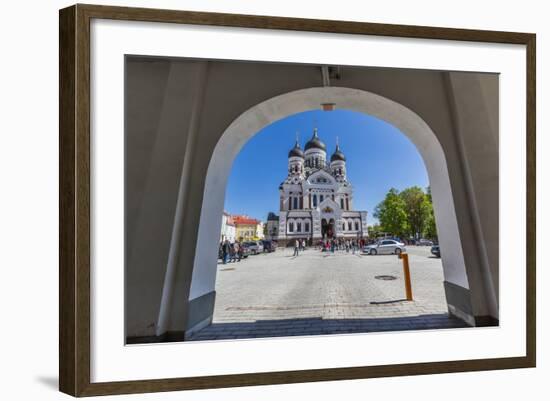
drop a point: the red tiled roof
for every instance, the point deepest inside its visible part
(244, 220)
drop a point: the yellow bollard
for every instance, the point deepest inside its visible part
(407, 274)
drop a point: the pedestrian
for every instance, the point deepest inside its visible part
(220, 251)
(240, 252)
(296, 247)
(236, 252)
(303, 244)
(225, 250)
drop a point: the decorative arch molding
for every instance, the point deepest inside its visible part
(313, 178)
(256, 118)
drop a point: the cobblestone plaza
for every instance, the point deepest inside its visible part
(277, 294)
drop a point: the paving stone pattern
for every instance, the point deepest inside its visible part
(272, 295)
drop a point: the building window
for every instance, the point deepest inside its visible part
(298, 227)
(314, 200)
(356, 226)
(295, 203)
(306, 227)
(344, 227)
(349, 226)
(321, 197)
(291, 227)
(341, 203)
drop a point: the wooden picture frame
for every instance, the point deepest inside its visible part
(74, 206)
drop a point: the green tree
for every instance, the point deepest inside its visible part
(392, 214)
(374, 230)
(418, 208)
(430, 230)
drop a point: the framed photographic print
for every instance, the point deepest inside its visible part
(250, 200)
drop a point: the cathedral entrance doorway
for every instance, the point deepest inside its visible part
(327, 228)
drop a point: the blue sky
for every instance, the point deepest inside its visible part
(378, 155)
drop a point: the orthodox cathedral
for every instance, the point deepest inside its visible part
(316, 198)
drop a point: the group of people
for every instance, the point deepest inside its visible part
(231, 252)
(332, 244)
(299, 246)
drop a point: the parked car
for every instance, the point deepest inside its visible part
(435, 251)
(269, 246)
(245, 251)
(255, 247)
(385, 247)
(424, 242)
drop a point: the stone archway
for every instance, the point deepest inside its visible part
(253, 120)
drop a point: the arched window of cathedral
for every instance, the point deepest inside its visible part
(315, 200)
(299, 227)
(321, 197)
(290, 227)
(306, 227)
(341, 203)
(356, 226)
(343, 226)
(349, 226)
(295, 203)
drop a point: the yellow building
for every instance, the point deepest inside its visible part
(247, 228)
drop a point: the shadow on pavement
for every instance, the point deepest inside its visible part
(319, 326)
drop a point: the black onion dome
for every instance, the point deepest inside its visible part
(337, 155)
(296, 151)
(315, 142)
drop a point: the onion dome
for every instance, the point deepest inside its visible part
(315, 142)
(296, 151)
(337, 155)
